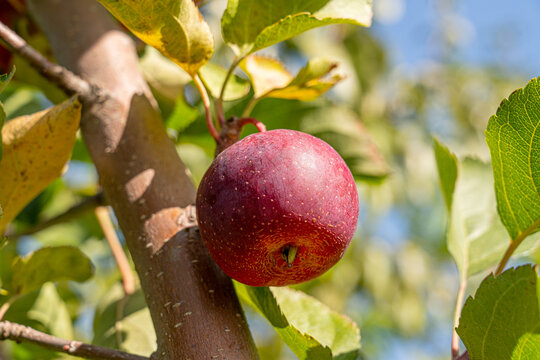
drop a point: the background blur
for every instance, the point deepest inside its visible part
(424, 68)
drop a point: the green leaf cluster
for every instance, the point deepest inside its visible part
(308, 327)
(476, 238)
(502, 320)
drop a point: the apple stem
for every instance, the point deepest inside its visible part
(249, 120)
(230, 132)
(289, 254)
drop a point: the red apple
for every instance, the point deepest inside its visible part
(277, 208)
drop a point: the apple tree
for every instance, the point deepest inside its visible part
(140, 97)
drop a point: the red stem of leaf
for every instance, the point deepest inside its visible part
(206, 102)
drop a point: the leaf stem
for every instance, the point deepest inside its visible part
(514, 244)
(206, 102)
(509, 251)
(250, 106)
(457, 312)
(219, 102)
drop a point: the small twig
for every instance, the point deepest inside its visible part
(70, 83)
(457, 312)
(128, 280)
(5, 307)
(21, 333)
(464, 356)
(74, 212)
(104, 219)
(206, 102)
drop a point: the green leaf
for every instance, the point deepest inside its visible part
(340, 128)
(447, 166)
(51, 311)
(20, 100)
(163, 75)
(213, 76)
(5, 79)
(175, 27)
(195, 159)
(45, 311)
(250, 25)
(502, 321)
(182, 116)
(312, 317)
(131, 330)
(270, 78)
(475, 236)
(2, 120)
(49, 264)
(309, 328)
(513, 137)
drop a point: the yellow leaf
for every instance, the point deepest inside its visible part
(36, 149)
(270, 79)
(266, 74)
(175, 27)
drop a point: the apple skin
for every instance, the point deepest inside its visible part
(271, 191)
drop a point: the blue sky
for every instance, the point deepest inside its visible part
(494, 32)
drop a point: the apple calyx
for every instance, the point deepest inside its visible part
(289, 254)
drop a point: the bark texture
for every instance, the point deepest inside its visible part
(194, 308)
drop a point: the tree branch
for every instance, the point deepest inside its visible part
(74, 212)
(21, 333)
(70, 83)
(104, 219)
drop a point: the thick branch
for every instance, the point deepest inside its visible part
(70, 83)
(21, 333)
